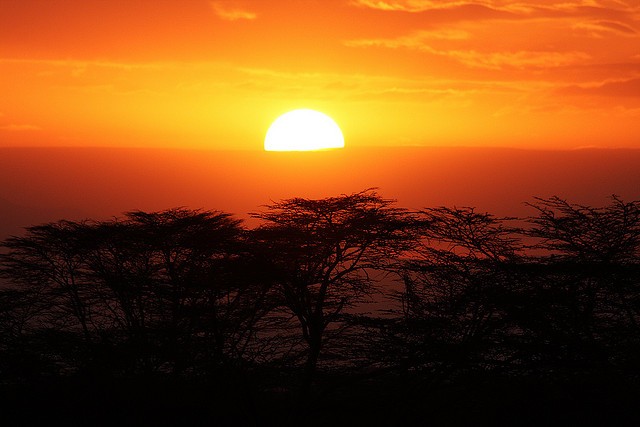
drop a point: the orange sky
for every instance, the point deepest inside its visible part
(215, 74)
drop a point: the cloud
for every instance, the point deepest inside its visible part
(444, 11)
(600, 29)
(505, 9)
(417, 40)
(231, 13)
(418, 6)
(519, 59)
(473, 58)
(406, 5)
(372, 88)
(620, 89)
(19, 128)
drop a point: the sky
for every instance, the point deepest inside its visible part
(214, 74)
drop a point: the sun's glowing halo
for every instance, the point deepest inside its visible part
(303, 130)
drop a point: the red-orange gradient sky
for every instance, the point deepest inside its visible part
(214, 74)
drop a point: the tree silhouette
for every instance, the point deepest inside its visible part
(586, 299)
(609, 234)
(324, 252)
(170, 286)
(165, 291)
(187, 309)
(50, 259)
(454, 293)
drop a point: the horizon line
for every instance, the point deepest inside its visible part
(336, 150)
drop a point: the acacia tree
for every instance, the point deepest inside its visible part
(323, 252)
(138, 292)
(174, 284)
(48, 263)
(609, 234)
(162, 290)
(455, 284)
(589, 285)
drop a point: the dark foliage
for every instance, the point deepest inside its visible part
(344, 310)
(325, 253)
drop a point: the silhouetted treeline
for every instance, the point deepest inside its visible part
(345, 310)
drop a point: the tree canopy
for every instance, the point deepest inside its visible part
(274, 320)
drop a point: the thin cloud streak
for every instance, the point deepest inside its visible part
(534, 8)
(601, 29)
(620, 89)
(230, 13)
(476, 59)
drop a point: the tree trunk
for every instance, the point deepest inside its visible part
(310, 366)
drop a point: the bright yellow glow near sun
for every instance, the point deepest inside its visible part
(303, 130)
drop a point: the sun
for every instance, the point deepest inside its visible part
(303, 130)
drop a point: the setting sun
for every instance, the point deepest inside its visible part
(303, 130)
